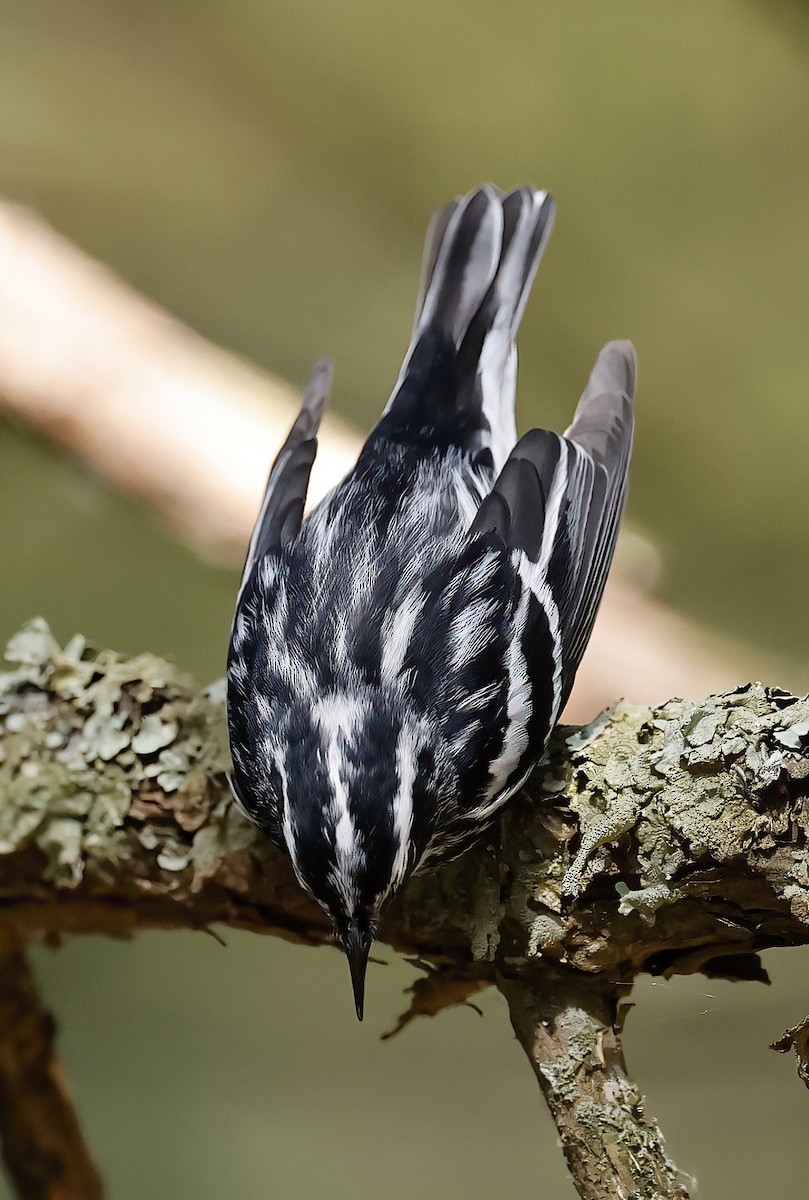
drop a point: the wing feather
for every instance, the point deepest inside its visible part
(281, 513)
(602, 433)
(558, 501)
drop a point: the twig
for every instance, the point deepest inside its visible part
(684, 820)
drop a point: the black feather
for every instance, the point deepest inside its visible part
(515, 507)
(591, 462)
(285, 495)
(481, 256)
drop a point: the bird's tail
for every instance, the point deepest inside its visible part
(480, 258)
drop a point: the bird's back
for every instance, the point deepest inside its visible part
(385, 554)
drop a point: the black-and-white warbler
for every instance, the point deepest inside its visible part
(400, 656)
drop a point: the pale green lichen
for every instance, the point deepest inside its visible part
(639, 1145)
(155, 733)
(599, 827)
(608, 804)
(533, 897)
(581, 738)
(582, 1053)
(677, 781)
(647, 900)
(228, 834)
(544, 932)
(86, 735)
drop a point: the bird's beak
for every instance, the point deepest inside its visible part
(357, 944)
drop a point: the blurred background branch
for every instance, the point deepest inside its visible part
(136, 396)
(191, 431)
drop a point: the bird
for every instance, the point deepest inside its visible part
(400, 654)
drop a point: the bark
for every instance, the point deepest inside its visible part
(44, 1151)
(665, 840)
(569, 1029)
(796, 1038)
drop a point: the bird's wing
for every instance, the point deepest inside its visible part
(557, 504)
(279, 519)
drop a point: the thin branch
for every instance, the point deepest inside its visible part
(669, 839)
(567, 1027)
(44, 1151)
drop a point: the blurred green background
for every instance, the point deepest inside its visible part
(266, 170)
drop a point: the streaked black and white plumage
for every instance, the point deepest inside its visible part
(400, 656)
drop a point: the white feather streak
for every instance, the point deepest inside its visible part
(397, 633)
(471, 631)
(403, 803)
(337, 715)
(515, 739)
(533, 576)
(287, 825)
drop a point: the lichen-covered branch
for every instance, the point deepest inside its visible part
(569, 1030)
(44, 1151)
(667, 840)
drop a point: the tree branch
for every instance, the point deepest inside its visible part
(43, 1148)
(568, 1028)
(665, 840)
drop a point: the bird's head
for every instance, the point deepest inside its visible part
(355, 775)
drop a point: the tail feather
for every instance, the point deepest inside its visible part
(281, 513)
(432, 244)
(603, 401)
(602, 427)
(480, 259)
(465, 263)
(489, 352)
